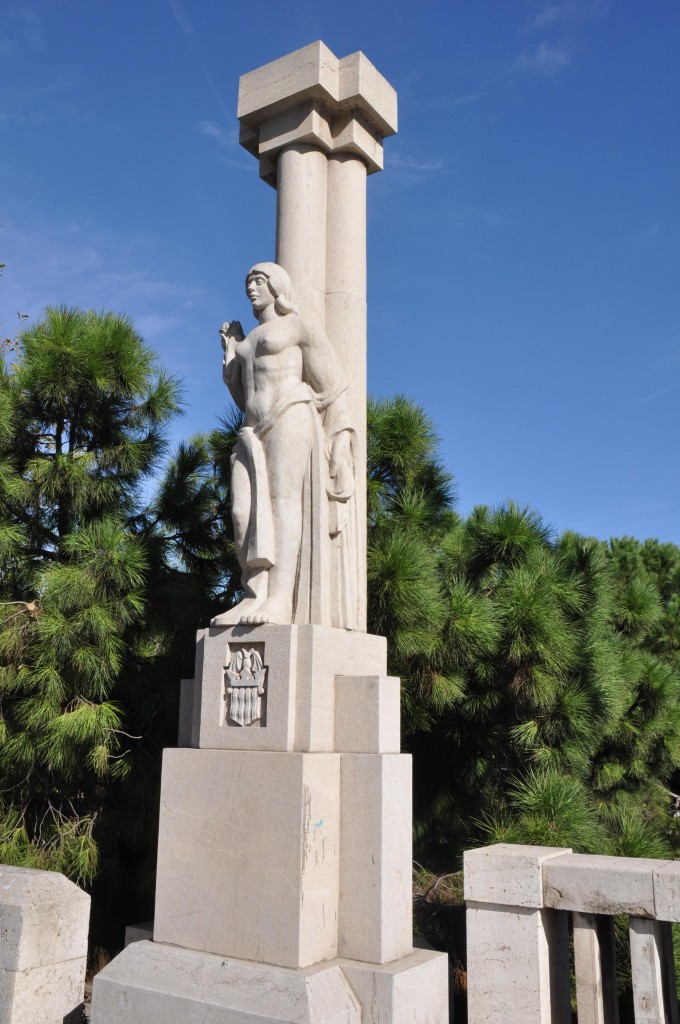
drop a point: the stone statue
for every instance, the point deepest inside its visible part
(293, 472)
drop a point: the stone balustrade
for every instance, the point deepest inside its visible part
(44, 921)
(519, 899)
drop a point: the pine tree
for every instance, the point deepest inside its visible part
(82, 415)
(538, 673)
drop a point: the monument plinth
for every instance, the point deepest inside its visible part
(284, 867)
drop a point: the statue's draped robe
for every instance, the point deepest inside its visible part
(326, 579)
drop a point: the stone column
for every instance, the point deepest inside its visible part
(301, 225)
(317, 124)
(346, 307)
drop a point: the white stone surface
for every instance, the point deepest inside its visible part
(324, 654)
(517, 965)
(315, 73)
(44, 921)
(595, 969)
(666, 879)
(302, 665)
(367, 714)
(51, 994)
(508, 874)
(346, 308)
(375, 916)
(413, 990)
(158, 984)
(651, 960)
(308, 73)
(601, 885)
(279, 647)
(248, 854)
(301, 226)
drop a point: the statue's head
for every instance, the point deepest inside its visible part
(279, 284)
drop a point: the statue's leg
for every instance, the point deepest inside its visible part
(288, 448)
(254, 582)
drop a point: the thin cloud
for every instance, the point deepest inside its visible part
(154, 325)
(652, 396)
(652, 234)
(421, 166)
(48, 101)
(460, 101)
(181, 16)
(566, 12)
(483, 215)
(22, 31)
(227, 137)
(71, 262)
(545, 59)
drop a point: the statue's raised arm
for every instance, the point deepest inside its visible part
(231, 334)
(293, 473)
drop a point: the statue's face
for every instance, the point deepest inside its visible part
(257, 290)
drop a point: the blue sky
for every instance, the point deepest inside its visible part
(524, 237)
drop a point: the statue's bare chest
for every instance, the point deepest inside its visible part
(268, 344)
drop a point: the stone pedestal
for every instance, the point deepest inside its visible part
(284, 862)
(151, 983)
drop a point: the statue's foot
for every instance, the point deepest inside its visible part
(271, 610)
(234, 616)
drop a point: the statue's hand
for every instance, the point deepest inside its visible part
(231, 330)
(340, 465)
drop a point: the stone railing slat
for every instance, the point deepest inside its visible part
(651, 960)
(595, 969)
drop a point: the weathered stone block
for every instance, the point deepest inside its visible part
(51, 994)
(600, 885)
(667, 891)
(274, 729)
(157, 984)
(375, 912)
(314, 72)
(507, 874)
(367, 714)
(412, 990)
(518, 965)
(323, 654)
(160, 984)
(44, 922)
(248, 854)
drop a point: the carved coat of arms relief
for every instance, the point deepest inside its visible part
(245, 685)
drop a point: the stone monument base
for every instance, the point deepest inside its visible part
(154, 983)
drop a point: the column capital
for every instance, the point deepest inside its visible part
(340, 105)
